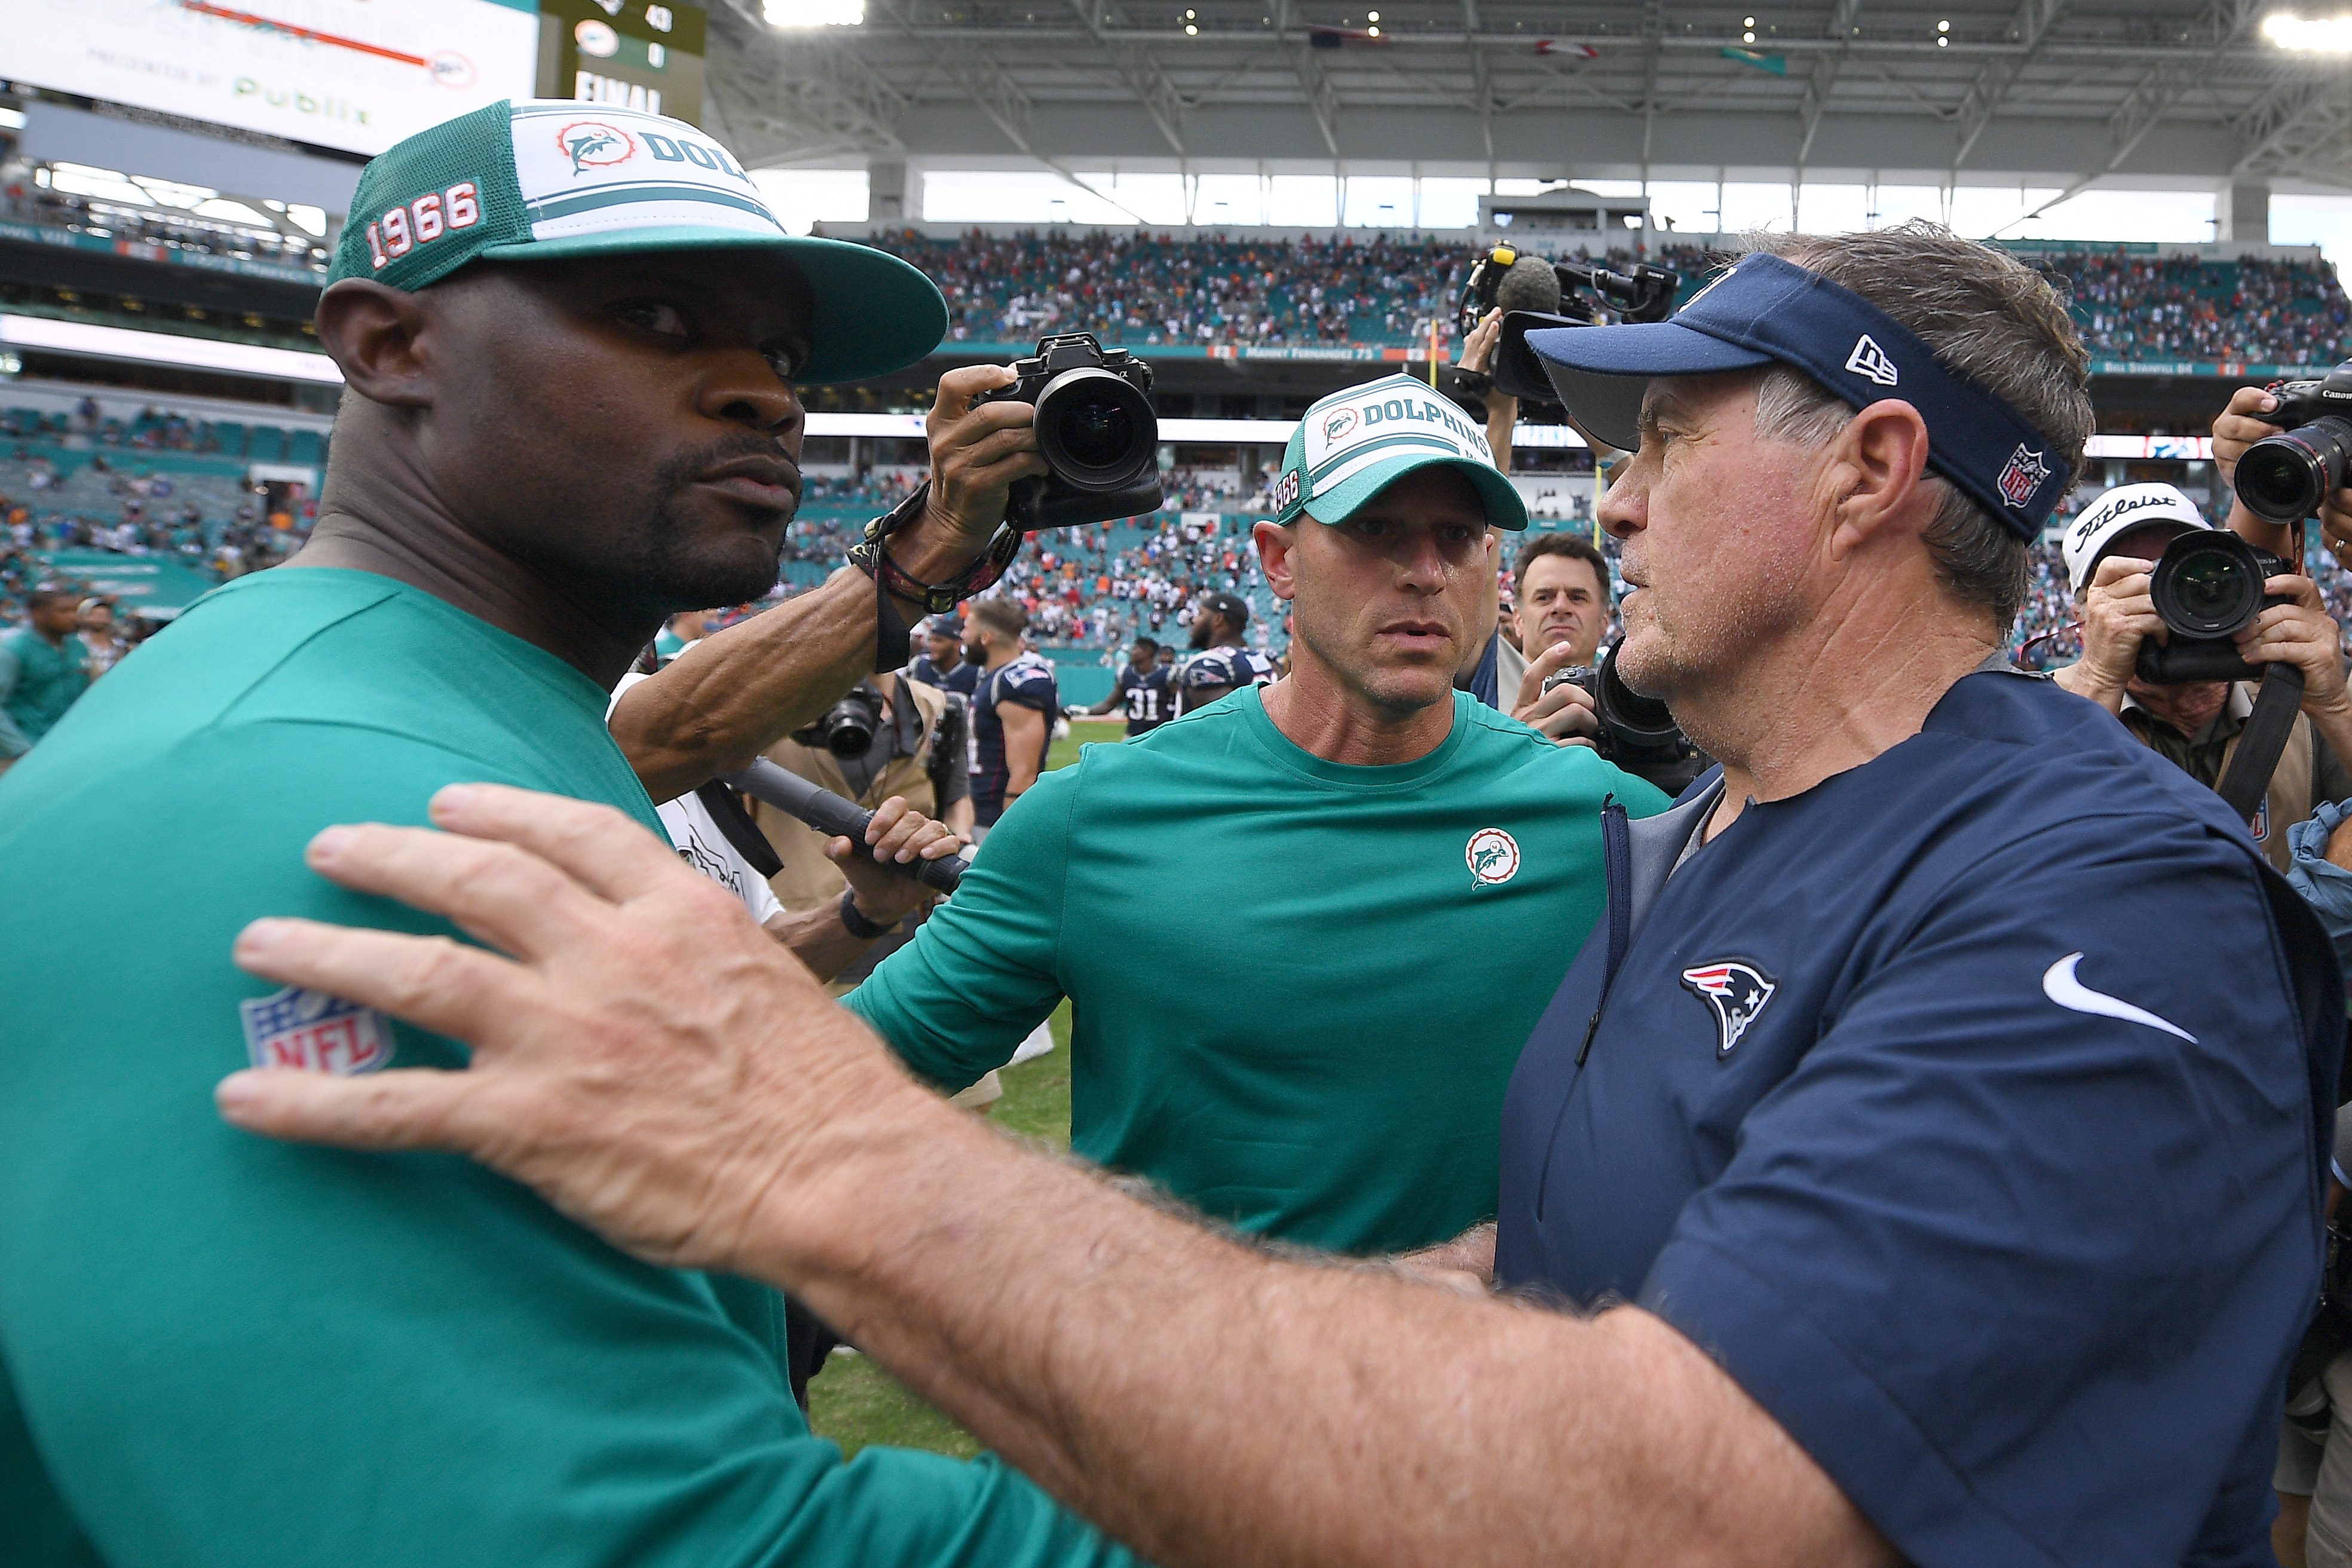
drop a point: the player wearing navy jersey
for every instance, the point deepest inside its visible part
(1220, 664)
(1013, 709)
(1146, 691)
(942, 663)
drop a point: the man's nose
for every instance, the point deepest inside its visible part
(1624, 507)
(743, 388)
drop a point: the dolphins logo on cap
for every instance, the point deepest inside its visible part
(592, 144)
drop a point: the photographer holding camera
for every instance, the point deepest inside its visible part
(889, 737)
(2111, 552)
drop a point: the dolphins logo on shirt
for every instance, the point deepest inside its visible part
(1736, 992)
(1493, 856)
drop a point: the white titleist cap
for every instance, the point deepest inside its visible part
(2118, 511)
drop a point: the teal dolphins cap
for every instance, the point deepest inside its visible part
(538, 179)
(1358, 442)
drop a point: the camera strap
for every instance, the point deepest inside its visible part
(2262, 742)
(735, 824)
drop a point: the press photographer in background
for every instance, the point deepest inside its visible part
(2111, 552)
(888, 737)
(2301, 472)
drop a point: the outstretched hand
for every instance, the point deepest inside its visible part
(646, 1055)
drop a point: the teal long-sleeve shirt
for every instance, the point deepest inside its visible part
(1297, 988)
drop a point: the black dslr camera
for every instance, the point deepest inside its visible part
(2208, 586)
(1637, 733)
(1095, 429)
(848, 728)
(2284, 478)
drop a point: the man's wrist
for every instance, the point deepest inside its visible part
(857, 921)
(938, 546)
(859, 1123)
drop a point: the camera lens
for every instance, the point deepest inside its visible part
(1642, 725)
(1097, 430)
(2208, 585)
(2281, 478)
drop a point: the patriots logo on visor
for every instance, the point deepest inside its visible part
(2024, 475)
(1736, 992)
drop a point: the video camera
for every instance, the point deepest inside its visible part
(1637, 733)
(2286, 478)
(1095, 428)
(2208, 586)
(1533, 302)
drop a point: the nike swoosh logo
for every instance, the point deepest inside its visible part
(2058, 983)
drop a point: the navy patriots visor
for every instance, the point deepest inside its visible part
(1767, 310)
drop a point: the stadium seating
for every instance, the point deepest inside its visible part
(1370, 289)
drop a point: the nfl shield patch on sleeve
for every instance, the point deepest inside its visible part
(315, 1032)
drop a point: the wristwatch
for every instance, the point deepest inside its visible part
(854, 922)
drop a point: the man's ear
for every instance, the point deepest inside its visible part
(374, 336)
(1877, 471)
(1275, 541)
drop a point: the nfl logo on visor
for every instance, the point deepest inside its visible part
(2024, 475)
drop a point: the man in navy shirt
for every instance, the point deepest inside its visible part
(942, 663)
(1013, 709)
(1934, 1131)
(1220, 665)
(1144, 690)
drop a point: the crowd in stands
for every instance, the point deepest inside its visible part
(1148, 289)
(1138, 286)
(2140, 307)
(160, 484)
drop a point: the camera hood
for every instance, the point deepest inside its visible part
(1518, 372)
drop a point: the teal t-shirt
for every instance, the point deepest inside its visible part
(216, 1349)
(37, 684)
(1297, 988)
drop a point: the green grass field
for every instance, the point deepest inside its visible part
(854, 1402)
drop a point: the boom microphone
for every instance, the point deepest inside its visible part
(1531, 284)
(831, 813)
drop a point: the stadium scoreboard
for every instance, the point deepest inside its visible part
(638, 54)
(350, 78)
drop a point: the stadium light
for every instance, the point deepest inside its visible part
(815, 12)
(2309, 35)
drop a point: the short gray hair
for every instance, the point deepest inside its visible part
(1984, 314)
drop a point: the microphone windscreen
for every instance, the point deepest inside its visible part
(1530, 285)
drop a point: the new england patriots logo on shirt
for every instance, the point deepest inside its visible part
(1736, 992)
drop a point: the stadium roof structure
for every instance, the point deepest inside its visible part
(2065, 92)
